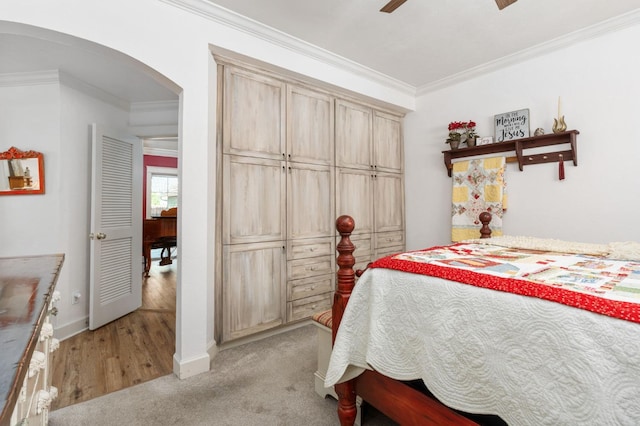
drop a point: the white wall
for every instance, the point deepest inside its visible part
(30, 120)
(598, 201)
(54, 119)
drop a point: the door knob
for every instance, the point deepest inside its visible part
(101, 236)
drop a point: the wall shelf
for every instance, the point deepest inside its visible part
(518, 146)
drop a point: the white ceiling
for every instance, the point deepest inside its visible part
(420, 43)
(424, 41)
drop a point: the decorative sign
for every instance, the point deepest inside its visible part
(512, 125)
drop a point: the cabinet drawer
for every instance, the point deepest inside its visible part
(298, 289)
(300, 249)
(311, 267)
(387, 251)
(389, 239)
(363, 245)
(305, 308)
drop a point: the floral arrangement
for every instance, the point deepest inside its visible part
(461, 131)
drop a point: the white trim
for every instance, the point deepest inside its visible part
(256, 29)
(597, 30)
(155, 170)
(93, 91)
(33, 78)
(155, 106)
(71, 329)
(160, 152)
(191, 367)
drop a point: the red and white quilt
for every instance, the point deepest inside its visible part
(595, 283)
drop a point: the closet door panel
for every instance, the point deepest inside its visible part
(309, 126)
(353, 135)
(388, 202)
(253, 114)
(310, 207)
(387, 142)
(354, 190)
(253, 201)
(255, 288)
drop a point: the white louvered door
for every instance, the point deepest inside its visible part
(116, 228)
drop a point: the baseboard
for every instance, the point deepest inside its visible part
(191, 367)
(63, 332)
(264, 334)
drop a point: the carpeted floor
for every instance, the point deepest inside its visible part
(268, 382)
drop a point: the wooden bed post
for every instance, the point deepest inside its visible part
(485, 218)
(345, 282)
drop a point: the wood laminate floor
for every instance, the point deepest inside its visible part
(130, 350)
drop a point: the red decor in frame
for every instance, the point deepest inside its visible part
(21, 172)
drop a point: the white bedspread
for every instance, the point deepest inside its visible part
(530, 361)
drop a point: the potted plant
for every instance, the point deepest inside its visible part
(461, 131)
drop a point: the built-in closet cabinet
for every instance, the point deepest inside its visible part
(370, 179)
(310, 201)
(280, 191)
(278, 208)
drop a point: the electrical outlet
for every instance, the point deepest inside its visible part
(75, 297)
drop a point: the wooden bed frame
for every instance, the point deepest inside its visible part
(397, 400)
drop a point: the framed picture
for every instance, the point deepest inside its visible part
(21, 172)
(512, 125)
(485, 140)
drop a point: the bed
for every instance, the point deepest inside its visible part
(562, 350)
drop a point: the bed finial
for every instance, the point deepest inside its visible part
(346, 280)
(485, 231)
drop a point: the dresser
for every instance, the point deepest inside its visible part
(27, 298)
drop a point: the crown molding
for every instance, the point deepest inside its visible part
(93, 91)
(160, 152)
(605, 27)
(155, 106)
(34, 78)
(256, 29)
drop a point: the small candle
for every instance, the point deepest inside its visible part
(559, 108)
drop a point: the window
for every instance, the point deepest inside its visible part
(162, 189)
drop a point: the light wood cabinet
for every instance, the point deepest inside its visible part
(354, 197)
(370, 179)
(309, 126)
(253, 114)
(354, 130)
(388, 202)
(387, 143)
(310, 194)
(253, 199)
(293, 158)
(253, 291)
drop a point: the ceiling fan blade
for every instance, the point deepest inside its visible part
(504, 3)
(392, 5)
